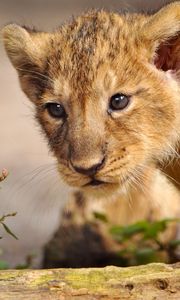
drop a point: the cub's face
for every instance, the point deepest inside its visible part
(106, 93)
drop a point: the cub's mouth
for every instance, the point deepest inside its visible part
(100, 188)
(95, 182)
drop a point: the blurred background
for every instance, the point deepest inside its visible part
(33, 188)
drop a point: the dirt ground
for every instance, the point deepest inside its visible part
(33, 188)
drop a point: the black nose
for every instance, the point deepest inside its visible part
(89, 171)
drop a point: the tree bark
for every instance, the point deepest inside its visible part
(150, 282)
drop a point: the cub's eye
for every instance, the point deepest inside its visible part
(119, 102)
(55, 110)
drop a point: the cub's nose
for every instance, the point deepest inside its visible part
(92, 170)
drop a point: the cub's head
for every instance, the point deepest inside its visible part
(106, 92)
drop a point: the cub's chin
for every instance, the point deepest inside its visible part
(101, 190)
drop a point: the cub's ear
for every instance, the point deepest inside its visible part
(162, 35)
(27, 51)
(20, 45)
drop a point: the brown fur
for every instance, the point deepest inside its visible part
(81, 65)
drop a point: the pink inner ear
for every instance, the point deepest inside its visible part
(168, 55)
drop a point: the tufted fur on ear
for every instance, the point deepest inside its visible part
(162, 33)
(27, 50)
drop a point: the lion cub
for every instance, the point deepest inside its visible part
(106, 91)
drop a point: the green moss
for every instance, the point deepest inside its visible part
(90, 279)
(9, 275)
(41, 279)
(96, 279)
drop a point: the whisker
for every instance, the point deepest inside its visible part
(126, 185)
(35, 174)
(171, 178)
(139, 179)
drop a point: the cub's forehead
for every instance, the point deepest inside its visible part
(91, 42)
(86, 39)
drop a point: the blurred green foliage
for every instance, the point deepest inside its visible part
(142, 242)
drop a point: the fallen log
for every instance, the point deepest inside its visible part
(150, 282)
